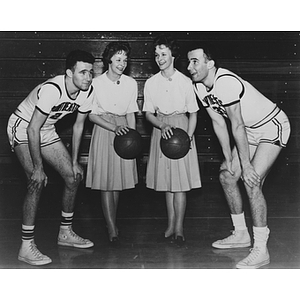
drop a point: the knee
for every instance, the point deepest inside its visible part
(228, 179)
(71, 182)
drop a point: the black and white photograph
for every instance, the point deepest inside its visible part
(169, 154)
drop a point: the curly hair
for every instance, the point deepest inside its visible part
(169, 42)
(112, 48)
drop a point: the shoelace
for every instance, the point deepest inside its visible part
(254, 252)
(233, 234)
(76, 236)
(35, 251)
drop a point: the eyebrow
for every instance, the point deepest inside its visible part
(86, 70)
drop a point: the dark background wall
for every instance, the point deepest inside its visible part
(269, 60)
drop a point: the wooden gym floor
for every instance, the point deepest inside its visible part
(141, 218)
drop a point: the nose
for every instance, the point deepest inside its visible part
(189, 66)
(89, 76)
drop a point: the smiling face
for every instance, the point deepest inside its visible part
(118, 63)
(82, 75)
(198, 65)
(163, 57)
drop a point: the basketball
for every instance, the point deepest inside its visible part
(129, 145)
(177, 146)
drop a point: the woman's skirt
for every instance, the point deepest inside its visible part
(164, 174)
(106, 170)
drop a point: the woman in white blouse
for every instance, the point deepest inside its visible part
(113, 113)
(169, 101)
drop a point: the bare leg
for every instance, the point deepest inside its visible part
(230, 185)
(116, 201)
(179, 206)
(263, 159)
(109, 211)
(59, 158)
(171, 214)
(31, 200)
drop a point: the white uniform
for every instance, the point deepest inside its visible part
(264, 121)
(50, 98)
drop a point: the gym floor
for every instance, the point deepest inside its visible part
(141, 219)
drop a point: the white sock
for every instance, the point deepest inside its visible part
(238, 221)
(261, 235)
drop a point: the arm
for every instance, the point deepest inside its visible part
(38, 176)
(249, 174)
(98, 120)
(192, 124)
(221, 131)
(76, 140)
(166, 129)
(131, 120)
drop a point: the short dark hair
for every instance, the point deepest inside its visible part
(112, 48)
(169, 42)
(207, 51)
(78, 55)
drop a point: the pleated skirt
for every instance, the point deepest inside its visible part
(106, 170)
(164, 174)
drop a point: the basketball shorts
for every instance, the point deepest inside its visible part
(274, 129)
(17, 133)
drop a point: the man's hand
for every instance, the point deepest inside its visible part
(37, 178)
(78, 171)
(227, 166)
(249, 176)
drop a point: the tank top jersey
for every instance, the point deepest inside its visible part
(52, 99)
(229, 89)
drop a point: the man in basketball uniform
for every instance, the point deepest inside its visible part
(33, 138)
(260, 130)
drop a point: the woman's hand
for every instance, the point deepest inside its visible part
(166, 130)
(121, 129)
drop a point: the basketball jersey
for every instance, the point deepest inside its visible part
(52, 99)
(229, 89)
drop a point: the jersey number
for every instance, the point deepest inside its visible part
(56, 116)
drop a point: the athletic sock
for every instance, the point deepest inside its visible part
(27, 233)
(261, 235)
(66, 219)
(238, 221)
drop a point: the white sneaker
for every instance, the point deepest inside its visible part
(257, 258)
(238, 239)
(30, 254)
(67, 237)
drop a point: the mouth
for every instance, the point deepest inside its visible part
(160, 64)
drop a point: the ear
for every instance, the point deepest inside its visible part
(210, 64)
(69, 73)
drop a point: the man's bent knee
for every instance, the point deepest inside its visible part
(226, 178)
(71, 182)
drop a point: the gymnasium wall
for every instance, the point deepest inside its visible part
(269, 60)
